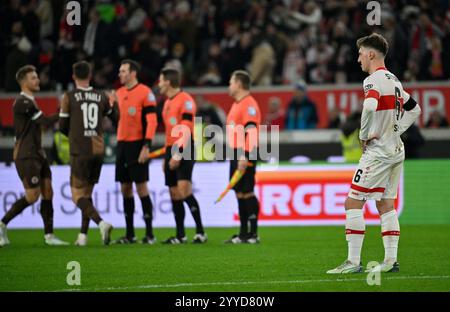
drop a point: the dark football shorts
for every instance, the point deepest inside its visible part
(32, 171)
(85, 171)
(183, 172)
(127, 167)
(247, 183)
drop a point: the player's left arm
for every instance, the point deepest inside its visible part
(64, 115)
(44, 120)
(47, 120)
(149, 111)
(186, 116)
(251, 121)
(32, 111)
(411, 113)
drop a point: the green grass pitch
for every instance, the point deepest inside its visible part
(288, 259)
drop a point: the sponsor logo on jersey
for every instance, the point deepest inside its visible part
(367, 87)
(90, 133)
(188, 105)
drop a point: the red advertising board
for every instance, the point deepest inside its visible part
(310, 195)
(348, 98)
(48, 104)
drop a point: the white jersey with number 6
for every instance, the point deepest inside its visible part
(383, 120)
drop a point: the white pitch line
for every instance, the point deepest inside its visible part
(155, 286)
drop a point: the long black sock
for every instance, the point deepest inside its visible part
(15, 210)
(253, 211)
(178, 211)
(47, 215)
(243, 217)
(85, 219)
(89, 209)
(128, 207)
(147, 209)
(194, 207)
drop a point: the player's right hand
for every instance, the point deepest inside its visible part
(174, 163)
(143, 155)
(242, 164)
(112, 97)
(367, 142)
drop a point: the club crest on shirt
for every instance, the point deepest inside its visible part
(251, 111)
(131, 110)
(188, 105)
(151, 97)
(35, 180)
(173, 121)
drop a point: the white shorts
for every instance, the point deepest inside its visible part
(376, 180)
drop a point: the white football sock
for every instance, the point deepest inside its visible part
(390, 230)
(355, 229)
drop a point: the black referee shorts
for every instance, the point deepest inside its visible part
(247, 183)
(183, 172)
(127, 167)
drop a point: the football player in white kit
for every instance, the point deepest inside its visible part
(387, 112)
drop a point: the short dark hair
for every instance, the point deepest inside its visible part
(23, 71)
(134, 66)
(375, 41)
(243, 77)
(173, 76)
(81, 70)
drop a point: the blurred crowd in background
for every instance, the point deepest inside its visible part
(278, 42)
